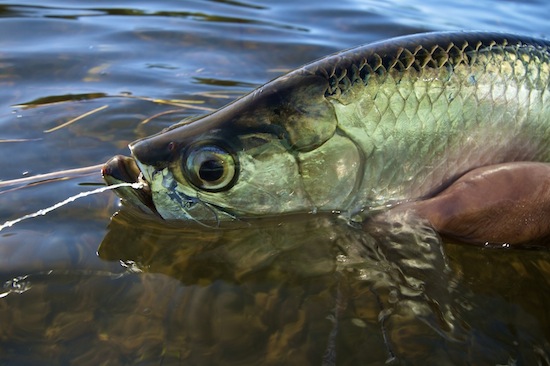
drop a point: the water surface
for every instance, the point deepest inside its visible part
(80, 287)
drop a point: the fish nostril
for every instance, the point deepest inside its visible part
(155, 151)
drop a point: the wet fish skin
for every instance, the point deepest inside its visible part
(372, 126)
(440, 107)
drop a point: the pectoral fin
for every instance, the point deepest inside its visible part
(504, 203)
(500, 204)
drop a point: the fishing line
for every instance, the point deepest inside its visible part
(63, 174)
(44, 211)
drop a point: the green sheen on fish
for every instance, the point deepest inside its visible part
(366, 128)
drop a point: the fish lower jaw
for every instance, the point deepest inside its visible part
(123, 169)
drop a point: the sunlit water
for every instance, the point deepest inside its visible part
(80, 287)
(65, 202)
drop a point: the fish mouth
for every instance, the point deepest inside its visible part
(123, 169)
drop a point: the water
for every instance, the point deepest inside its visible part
(46, 210)
(80, 287)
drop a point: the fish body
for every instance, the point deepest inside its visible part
(369, 127)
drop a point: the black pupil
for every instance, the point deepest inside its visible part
(211, 170)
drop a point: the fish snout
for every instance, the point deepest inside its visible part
(120, 168)
(155, 151)
(123, 169)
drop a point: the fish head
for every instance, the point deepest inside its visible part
(238, 162)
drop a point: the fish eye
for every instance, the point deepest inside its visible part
(210, 167)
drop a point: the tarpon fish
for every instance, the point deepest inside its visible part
(374, 127)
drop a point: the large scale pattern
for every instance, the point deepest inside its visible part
(426, 110)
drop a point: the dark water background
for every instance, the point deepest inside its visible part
(82, 289)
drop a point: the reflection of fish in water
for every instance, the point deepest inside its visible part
(387, 294)
(372, 127)
(309, 290)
